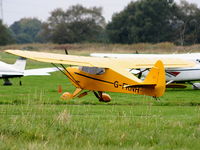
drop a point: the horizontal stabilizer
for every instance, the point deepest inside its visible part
(40, 71)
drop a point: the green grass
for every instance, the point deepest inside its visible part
(99, 127)
(32, 117)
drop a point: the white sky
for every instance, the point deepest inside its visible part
(14, 10)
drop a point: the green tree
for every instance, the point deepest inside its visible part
(76, 24)
(26, 30)
(187, 23)
(5, 35)
(142, 21)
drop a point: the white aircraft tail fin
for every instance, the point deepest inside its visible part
(20, 64)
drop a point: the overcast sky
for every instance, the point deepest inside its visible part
(14, 10)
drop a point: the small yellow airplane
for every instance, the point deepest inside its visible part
(101, 75)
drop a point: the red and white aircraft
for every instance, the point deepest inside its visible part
(173, 75)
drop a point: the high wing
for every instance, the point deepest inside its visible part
(40, 71)
(100, 62)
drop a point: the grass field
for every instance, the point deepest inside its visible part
(33, 117)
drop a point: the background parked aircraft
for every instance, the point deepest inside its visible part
(178, 75)
(17, 69)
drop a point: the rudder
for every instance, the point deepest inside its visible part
(20, 64)
(157, 77)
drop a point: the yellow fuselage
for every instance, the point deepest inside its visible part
(108, 81)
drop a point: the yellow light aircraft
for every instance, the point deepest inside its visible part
(101, 75)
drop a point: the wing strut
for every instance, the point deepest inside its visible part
(70, 76)
(68, 73)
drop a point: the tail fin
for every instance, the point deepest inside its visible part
(20, 64)
(157, 76)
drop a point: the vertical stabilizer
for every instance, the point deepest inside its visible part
(157, 77)
(20, 64)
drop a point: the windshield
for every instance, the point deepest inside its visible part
(92, 70)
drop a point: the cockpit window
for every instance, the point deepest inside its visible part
(92, 70)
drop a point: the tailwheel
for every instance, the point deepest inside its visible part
(103, 97)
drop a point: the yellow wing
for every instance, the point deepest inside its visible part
(99, 62)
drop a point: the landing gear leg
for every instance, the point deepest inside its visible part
(98, 95)
(20, 83)
(156, 98)
(68, 96)
(7, 82)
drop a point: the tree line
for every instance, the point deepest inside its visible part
(149, 21)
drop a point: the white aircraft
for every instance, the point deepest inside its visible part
(18, 70)
(173, 75)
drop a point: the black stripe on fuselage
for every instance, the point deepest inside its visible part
(93, 78)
